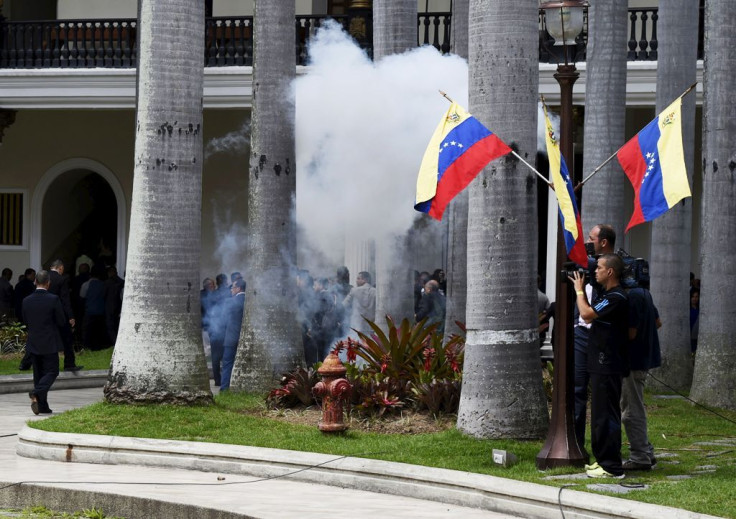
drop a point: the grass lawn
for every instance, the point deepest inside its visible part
(41, 512)
(89, 359)
(677, 430)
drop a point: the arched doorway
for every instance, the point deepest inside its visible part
(78, 208)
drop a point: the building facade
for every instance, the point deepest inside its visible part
(67, 110)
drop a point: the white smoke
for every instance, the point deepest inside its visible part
(361, 131)
(235, 141)
(232, 242)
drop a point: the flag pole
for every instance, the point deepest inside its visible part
(596, 170)
(512, 151)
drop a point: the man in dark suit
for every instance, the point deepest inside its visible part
(44, 318)
(59, 285)
(234, 321)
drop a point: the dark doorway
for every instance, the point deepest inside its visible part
(79, 217)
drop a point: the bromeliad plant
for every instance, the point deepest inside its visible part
(296, 389)
(407, 365)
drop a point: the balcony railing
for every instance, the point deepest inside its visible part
(229, 40)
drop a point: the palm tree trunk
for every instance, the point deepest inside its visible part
(394, 31)
(502, 394)
(269, 343)
(714, 382)
(158, 354)
(670, 258)
(605, 111)
(457, 212)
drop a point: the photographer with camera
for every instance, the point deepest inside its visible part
(601, 240)
(607, 361)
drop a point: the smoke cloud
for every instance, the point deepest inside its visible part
(541, 130)
(234, 141)
(361, 131)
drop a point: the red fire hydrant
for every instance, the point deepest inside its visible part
(334, 389)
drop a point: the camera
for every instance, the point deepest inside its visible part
(636, 271)
(569, 268)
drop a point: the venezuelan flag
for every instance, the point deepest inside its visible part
(654, 161)
(459, 149)
(572, 229)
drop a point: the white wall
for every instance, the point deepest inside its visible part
(75, 9)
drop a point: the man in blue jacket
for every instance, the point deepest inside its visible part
(233, 324)
(45, 319)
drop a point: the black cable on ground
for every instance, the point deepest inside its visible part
(691, 400)
(8, 435)
(174, 484)
(559, 497)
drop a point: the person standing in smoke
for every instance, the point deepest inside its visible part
(420, 280)
(342, 288)
(234, 277)
(362, 300)
(233, 314)
(216, 324)
(305, 313)
(325, 321)
(432, 306)
(439, 276)
(206, 297)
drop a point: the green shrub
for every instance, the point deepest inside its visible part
(409, 365)
(12, 337)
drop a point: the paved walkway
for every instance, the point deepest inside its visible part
(129, 478)
(278, 498)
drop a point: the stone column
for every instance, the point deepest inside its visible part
(360, 255)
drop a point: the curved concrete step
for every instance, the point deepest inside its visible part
(514, 498)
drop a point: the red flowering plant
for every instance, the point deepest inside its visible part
(296, 389)
(404, 365)
(443, 360)
(398, 353)
(437, 386)
(412, 362)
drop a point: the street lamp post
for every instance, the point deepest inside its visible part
(564, 21)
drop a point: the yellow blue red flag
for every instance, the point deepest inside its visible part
(654, 161)
(572, 229)
(459, 149)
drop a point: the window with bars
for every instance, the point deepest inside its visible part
(12, 218)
